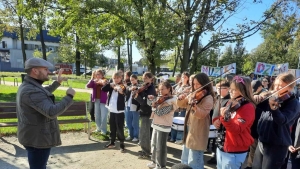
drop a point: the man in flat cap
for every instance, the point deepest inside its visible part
(37, 112)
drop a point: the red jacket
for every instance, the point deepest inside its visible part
(238, 134)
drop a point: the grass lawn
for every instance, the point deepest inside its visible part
(8, 94)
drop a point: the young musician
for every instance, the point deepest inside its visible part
(145, 111)
(278, 115)
(197, 120)
(99, 99)
(116, 105)
(222, 99)
(162, 117)
(237, 117)
(176, 136)
(132, 114)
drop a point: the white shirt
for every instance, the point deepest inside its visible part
(113, 103)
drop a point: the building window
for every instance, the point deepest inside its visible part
(4, 44)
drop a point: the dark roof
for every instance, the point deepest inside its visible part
(47, 38)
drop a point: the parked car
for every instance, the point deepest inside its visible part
(88, 72)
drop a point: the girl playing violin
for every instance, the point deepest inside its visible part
(197, 120)
(141, 96)
(131, 111)
(99, 98)
(234, 138)
(176, 136)
(162, 121)
(116, 105)
(278, 115)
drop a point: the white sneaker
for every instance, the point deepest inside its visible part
(135, 139)
(128, 138)
(178, 142)
(151, 165)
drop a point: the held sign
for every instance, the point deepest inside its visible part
(270, 69)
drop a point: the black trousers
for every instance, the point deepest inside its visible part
(116, 124)
(268, 156)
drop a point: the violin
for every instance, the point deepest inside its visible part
(141, 89)
(280, 98)
(232, 106)
(197, 97)
(121, 86)
(161, 100)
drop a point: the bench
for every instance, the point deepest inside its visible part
(78, 110)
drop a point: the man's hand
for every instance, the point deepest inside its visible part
(59, 77)
(71, 91)
(292, 149)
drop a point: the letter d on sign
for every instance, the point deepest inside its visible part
(260, 68)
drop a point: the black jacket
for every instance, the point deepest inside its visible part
(274, 126)
(145, 109)
(121, 97)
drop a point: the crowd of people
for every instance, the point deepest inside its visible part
(256, 121)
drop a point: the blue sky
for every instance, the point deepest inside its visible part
(249, 10)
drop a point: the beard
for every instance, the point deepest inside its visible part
(43, 77)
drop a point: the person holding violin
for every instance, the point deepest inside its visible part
(237, 117)
(162, 116)
(116, 105)
(126, 80)
(279, 111)
(176, 136)
(141, 96)
(131, 110)
(222, 98)
(197, 120)
(99, 98)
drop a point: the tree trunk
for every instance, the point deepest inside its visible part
(119, 57)
(195, 54)
(77, 62)
(22, 40)
(43, 42)
(129, 53)
(177, 54)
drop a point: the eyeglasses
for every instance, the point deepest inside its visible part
(264, 81)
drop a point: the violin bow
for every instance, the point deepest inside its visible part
(280, 90)
(209, 82)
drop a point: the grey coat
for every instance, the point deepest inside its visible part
(37, 114)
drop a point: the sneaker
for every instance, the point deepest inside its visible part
(109, 146)
(122, 150)
(172, 141)
(143, 156)
(151, 165)
(178, 142)
(135, 139)
(128, 138)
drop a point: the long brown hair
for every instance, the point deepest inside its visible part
(243, 84)
(203, 79)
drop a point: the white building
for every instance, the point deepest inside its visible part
(11, 50)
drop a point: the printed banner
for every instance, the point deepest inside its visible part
(217, 71)
(270, 69)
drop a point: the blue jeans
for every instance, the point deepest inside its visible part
(37, 157)
(132, 121)
(101, 116)
(230, 160)
(193, 158)
(177, 135)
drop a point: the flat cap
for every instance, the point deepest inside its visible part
(37, 62)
